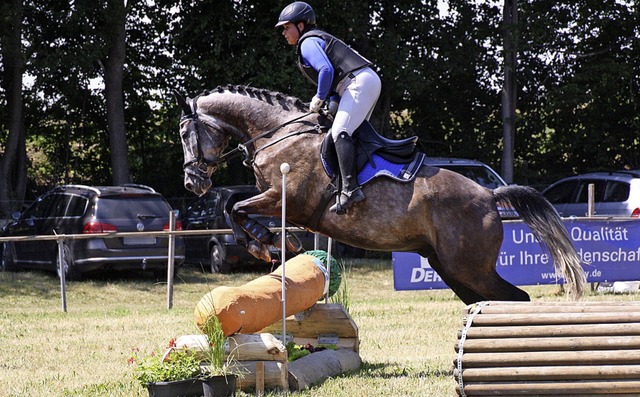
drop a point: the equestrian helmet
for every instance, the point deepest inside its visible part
(298, 11)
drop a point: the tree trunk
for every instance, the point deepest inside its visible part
(13, 169)
(113, 77)
(510, 25)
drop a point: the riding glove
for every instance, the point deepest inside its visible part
(316, 104)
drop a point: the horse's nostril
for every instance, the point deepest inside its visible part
(189, 186)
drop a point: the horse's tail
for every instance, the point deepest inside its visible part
(547, 227)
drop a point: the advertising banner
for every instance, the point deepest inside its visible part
(609, 250)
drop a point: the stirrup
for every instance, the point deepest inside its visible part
(347, 199)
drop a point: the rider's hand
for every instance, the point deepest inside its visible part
(316, 104)
(332, 107)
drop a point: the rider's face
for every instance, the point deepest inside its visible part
(291, 32)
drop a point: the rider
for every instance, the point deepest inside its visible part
(345, 80)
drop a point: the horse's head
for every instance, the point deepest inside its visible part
(203, 140)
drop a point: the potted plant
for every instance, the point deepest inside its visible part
(217, 379)
(174, 373)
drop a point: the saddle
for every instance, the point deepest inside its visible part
(376, 156)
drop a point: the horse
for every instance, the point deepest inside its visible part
(441, 215)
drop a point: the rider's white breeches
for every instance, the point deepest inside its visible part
(359, 92)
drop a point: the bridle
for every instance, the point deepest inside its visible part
(207, 167)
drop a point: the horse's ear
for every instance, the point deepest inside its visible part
(182, 103)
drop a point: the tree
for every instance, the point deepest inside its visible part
(113, 67)
(13, 160)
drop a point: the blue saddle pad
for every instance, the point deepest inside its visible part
(382, 167)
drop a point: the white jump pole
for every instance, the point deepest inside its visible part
(284, 169)
(171, 259)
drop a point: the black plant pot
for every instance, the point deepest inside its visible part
(219, 386)
(178, 388)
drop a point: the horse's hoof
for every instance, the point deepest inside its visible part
(259, 250)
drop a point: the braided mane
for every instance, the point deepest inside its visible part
(262, 95)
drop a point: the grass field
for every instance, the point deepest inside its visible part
(407, 338)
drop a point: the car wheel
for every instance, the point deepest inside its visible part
(217, 260)
(7, 261)
(70, 270)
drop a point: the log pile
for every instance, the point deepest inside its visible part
(549, 349)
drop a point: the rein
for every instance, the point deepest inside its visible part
(242, 147)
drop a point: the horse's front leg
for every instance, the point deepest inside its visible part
(253, 235)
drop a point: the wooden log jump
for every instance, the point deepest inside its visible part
(549, 349)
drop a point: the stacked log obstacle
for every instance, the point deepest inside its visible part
(255, 308)
(323, 324)
(549, 349)
(261, 359)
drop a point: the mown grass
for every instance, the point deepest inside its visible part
(407, 338)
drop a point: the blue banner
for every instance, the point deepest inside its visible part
(609, 250)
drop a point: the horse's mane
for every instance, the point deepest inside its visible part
(261, 94)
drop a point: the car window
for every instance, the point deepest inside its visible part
(131, 206)
(562, 193)
(204, 206)
(59, 205)
(77, 205)
(480, 175)
(583, 190)
(39, 208)
(616, 192)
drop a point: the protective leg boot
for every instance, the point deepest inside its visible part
(292, 242)
(351, 192)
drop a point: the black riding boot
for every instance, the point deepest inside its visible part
(351, 193)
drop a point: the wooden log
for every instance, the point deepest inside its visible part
(555, 307)
(550, 344)
(316, 367)
(617, 394)
(343, 343)
(272, 373)
(553, 318)
(551, 388)
(257, 347)
(549, 349)
(551, 373)
(250, 347)
(628, 329)
(605, 357)
(544, 308)
(321, 319)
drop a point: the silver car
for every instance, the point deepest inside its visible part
(616, 193)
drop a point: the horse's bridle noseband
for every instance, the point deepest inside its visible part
(207, 167)
(190, 113)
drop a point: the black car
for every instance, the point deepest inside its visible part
(220, 252)
(79, 209)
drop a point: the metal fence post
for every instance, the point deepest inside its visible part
(63, 275)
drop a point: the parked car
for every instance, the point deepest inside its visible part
(478, 172)
(616, 193)
(79, 209)
(219, 252)
(475, 170)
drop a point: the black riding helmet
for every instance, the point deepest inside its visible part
(298, 11)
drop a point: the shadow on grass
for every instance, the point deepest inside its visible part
(395, 370)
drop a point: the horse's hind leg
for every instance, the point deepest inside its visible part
(481, 285)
